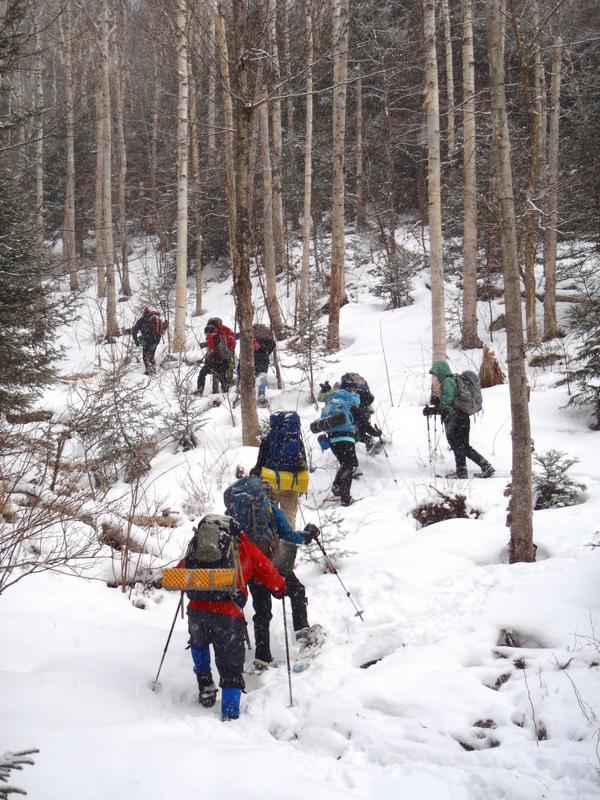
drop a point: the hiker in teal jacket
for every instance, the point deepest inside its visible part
(456, 423)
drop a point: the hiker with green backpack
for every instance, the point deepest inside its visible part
(455, 398)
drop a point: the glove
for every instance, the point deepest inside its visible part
(311, 532)
(325, 387)
(429, 411)
(279, 594)
(377, 432)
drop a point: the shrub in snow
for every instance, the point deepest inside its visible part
(396, 273)
(447, 506)
(585, 322)
(332, 538)
(9, 762)
(552, 487)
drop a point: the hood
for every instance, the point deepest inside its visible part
(441, 370)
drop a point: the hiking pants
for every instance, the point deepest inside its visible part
(457, 434)
(148, 353)
(261, 600)
(214, 366)
(226, 634)
(345, 452)
(288, 503)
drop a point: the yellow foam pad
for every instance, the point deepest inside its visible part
(288, 481)
(182, 579)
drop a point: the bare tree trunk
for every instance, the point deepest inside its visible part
(196, 188)
(69, 247)
(340, 77)
(38, 123)
(470, 338)
(532, 176)
(98, 204)
(211, 116)
(122, 151)
(520, 507)
(268, 244)
(153, 157)
(278, 221)
(242, 285)
(112, 327)
(254, 139)
(182, 178)
(438, 326)
(390, 171)
(359, 191)
(449, 76)
(550, 238)
(305, 274)
(285, 20)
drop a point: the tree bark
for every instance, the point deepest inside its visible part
(340, 77)
(278, 220)
(159, 231)
(432, 109)
(242, 284)
(196, 188)
(211, 115)
(551, 232)
(268, 244)
(359, 190)
(470, 339)
(122, 151)
(305, 274)
(182, 177)
(112, 327)
(69, 247)
(98, 203)
(520, 506)
(449, 77)
(38, 122)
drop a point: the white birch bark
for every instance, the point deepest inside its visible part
(305, 274)
(182, 177)
(432, 109)
(211, 113)
(278, 220)
(551, 232)
(98, 201)
(195, 190)
(38, 123)
(120, 72)
(112, 327)
(359, 190)
(449, 77)
(69, 246)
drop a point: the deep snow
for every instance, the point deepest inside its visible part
(447, 711)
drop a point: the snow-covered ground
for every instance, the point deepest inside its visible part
(446, 709)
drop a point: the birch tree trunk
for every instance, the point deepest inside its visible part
(520, 506)
(98, 202)
(340, 77)
(120, 72)
(112, 327)
(69, 247)
(449, 76)
(242, 284)
(550, 237)
(359, 190)
(268, 244)
(259, 94)
(305, 274)
(278, 220)
(432, 109)
(38, 123)
(470, 339)
(182, 178)
(153, 157)
(211, 114)
(196, 188)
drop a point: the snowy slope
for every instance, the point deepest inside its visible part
(447, 709)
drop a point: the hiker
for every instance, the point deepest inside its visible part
(338, 430)
(147, 332)
(282, 461)
(248, 502)
(216, 617)
(365, 432)
(444, 398)
(220, 341)
(264, 344)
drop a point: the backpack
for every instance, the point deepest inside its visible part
(336, 416)
(247, 502)
(285, 442)
(264, 336)
(214, 548)
(222, 348)
(468, 396)
(354, 382)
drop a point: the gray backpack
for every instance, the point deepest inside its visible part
(468, 397)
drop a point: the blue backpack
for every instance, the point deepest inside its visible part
(247, 502)
(338, 404)
(285, 442)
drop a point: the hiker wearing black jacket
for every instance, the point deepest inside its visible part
(147, 331)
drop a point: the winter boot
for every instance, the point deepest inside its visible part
(230, 703)
(347, 501)
(460, 474)
(262, 666)
(311, 636)
(207, 694)
(486, 471)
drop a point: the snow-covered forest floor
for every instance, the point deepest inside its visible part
(425, 699)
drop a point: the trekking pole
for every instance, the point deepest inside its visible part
(155, 683)
(333, 568)
(429, 444)
(385, 452)
(287, 651)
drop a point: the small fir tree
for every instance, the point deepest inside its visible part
(585, 321)
(552, 487)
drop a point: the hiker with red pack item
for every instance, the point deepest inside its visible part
(220, 342)
(217, 618)
(147, 332)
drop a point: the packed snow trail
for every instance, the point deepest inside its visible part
(424, 699)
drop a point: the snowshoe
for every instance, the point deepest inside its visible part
(375, 448)
(258, 667)
(357, 473)
(262, 402)
(458, 475)
(486, 472)
(311, 641)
